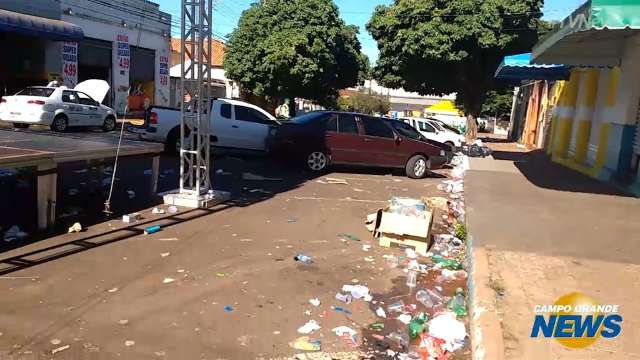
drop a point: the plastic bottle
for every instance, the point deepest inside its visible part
(458, 303)
(345, 298)
(417, 325)
(303, 258)
(423, 297)
(446, 263)
(396, 307)
(412, 279)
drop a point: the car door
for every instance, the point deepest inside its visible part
(380, 143)
(222, 125)
(343, 139)
(428, 131)
(72, 108)
(250, 128)
(90, 110)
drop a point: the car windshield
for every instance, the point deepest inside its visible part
(36, 91)
(406, 130)
(307, 118)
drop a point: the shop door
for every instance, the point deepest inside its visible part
(94, 62)
(142, 78)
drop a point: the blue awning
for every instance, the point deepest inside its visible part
(36, 26)
(519, 68)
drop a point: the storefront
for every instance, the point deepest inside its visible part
(127, 44)
(596, 127)
(28, 41)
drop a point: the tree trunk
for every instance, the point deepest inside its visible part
(471, 133)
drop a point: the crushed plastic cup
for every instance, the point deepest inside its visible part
(396, 307)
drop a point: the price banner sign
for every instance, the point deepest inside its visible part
(124, 52)
(70, 64)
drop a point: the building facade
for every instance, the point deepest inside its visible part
(124, 42)
(596, 124)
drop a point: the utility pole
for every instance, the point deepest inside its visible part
(196, 27)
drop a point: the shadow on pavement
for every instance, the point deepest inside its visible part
(538, 168)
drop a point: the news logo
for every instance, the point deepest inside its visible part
(577, 321)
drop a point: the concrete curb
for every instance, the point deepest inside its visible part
(487, 341)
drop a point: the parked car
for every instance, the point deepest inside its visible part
(234, 124)
(432, 129)
(60, 107)
(320, 139)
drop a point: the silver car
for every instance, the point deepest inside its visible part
(60, 107)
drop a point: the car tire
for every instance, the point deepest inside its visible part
(60, 123)
(109, 124)
(317, 161)
(417, 167)
(20, 126)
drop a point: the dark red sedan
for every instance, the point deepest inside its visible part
(323, 138)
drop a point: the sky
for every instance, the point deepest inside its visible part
(356, 12)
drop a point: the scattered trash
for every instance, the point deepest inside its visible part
(411, 254)
(358, 190)
(112, 290)
(366, 247)
(168, 280)
(130, 218)
(309, 327)
(152, 229)
(172, 209)
(369, 259)
(168, 239)
(220, 274)
(165, 254)
(60, 349)
(412, 278)
(291, 221)
(345, 298)
(342, 310)
(14, 233)
(357, 291)
(128, 343)
(377, 326)
(157, 211)
(228, 308)
(344, 330)
(306, 344)
(380, 312)
(55, 341)
(400, 338)
(396, 307)
(417, 325)
(303, 259)
(76, 227)
(336, 181)
(346, 236)
(446, 263)
(458, 304)
(123, 322)
(254, 177)
(448, 328)
(315, 302)
(404, 318)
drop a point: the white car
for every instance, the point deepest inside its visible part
(60, 107)
(234, 123)
(432, 130)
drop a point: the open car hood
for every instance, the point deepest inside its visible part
(97, 89)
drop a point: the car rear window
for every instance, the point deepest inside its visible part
(308, 117)
(36, 91)
(347, 124)
(376, 127)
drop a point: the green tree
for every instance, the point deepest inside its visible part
(294, 48)
(498, 103)
(441, 47)
(365, 103)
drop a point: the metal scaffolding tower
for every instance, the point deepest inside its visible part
(195, 127)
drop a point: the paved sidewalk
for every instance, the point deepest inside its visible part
(547, 232)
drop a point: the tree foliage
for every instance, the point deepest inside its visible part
(498, 103)
(441, 47)
(365, 103)
(294, 48)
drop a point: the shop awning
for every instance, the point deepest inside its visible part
(593, 35)
(39, 27)
(519, 67)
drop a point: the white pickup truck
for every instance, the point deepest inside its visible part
(234, 123)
